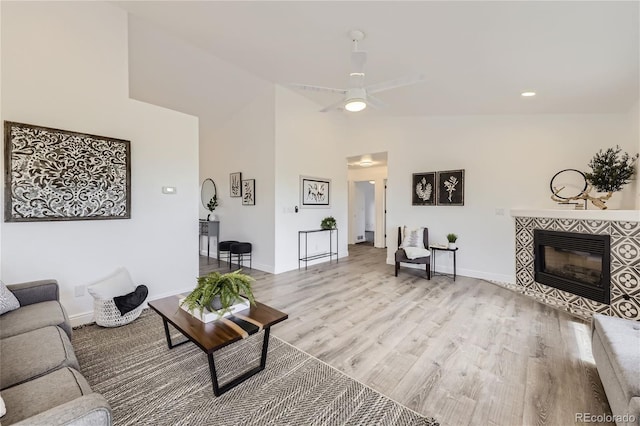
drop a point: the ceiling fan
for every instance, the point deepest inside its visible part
(358, 96)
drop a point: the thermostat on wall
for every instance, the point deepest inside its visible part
(169, 190)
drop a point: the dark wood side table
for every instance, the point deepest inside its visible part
(216, 335)
(434, 249)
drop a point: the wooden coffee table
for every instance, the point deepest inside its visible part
(217, 334)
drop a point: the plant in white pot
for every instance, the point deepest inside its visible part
(452, 238)
(218, 293)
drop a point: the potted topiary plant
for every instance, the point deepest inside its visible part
(610, 171)
(328, 223)
(452, 238)
(218, 293)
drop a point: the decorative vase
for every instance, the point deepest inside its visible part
(452, 246)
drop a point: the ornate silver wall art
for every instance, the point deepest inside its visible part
(53, 174)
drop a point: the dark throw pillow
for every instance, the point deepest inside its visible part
(129, 302)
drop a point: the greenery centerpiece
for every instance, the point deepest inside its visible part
(218, 292)
(328, 223)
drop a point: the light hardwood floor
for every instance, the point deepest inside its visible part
(464, 352)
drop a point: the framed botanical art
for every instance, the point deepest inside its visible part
(235, 183)
(249, 192)
(423, 189)
(451, 188)
(315, 192)
(53, 174)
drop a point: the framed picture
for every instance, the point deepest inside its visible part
(451, 188)
(235, 183)
(53, 174)
(315, 192)
(249, 192)
(423, 187)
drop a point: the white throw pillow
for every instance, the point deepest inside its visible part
(8, 301)
(3, 409)
(117, 284)
(413, 238)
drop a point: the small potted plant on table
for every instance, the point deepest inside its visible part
(328, 223)
(218, 295)
(452, 238)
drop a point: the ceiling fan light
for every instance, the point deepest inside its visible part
(355, 105)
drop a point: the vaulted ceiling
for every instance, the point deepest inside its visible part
(477, 56)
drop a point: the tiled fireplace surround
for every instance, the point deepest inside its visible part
(624, 229)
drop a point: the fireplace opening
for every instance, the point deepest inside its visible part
(574, 262)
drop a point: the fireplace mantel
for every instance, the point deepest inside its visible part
(613, 215)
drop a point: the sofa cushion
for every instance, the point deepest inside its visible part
(8, 301)
(621, 341)
(32, 317)
(22, 356)
(38, 395)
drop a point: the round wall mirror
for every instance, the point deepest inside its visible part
(208, 192)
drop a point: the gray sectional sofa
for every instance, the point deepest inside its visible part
(40, 381)
(616, 350)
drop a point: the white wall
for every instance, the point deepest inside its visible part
(64, 65)
(245, 144)
(508, 162)
(379, 176)
(369, 207)
(359, 205)
(634, 120)
(307, 143)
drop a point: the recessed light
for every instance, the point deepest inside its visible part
(528, 94)
(372, 182)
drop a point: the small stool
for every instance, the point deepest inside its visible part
(225, 247)
(241, 250)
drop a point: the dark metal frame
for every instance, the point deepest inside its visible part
(433, 261)
(330, 253)
(217, 389)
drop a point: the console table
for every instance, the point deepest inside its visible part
(435, 248)
(306, 257)
(209, 228)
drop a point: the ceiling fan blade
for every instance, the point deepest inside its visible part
(393, 84)
(316, 88)
(377, 103)
(334, 106)
(358, 59)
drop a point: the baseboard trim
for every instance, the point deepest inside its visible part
(463, 272)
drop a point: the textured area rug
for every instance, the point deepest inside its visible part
(146, 383)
